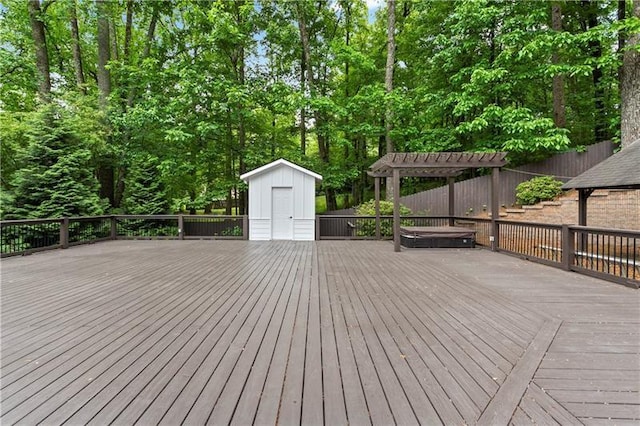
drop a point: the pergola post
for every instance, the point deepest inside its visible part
(452, 200)
(495, 208)
(377, 193)
(583, 196)
(396, 210)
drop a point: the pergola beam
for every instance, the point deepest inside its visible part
(434, 165)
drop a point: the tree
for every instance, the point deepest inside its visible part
(388, 82)
(145, 191)
(630, 86)
(56, 178)
(36, 18)
(559, 117)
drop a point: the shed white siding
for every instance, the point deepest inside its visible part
(281, 175)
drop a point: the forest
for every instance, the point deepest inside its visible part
(147, 107)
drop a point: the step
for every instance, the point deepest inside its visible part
(551, 203)
(519, 211)
(532, 207)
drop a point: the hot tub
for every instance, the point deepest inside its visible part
(437, 237)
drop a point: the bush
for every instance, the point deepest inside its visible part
(538, 189)
(367, 228)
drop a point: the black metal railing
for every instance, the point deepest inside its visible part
(606, 253)
(25, 236)
(85, 230)
(30, 235)
(147, 226)
(531, 240)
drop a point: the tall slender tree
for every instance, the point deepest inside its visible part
(630, 87)
(36, 18)
(388, 82)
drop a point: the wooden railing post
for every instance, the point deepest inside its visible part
(317, 227)
(245, 227)
(114, 228)
(495, 235)
(568, 248)
(180, 227)
(64, 232)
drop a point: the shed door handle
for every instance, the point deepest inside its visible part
(290, 217)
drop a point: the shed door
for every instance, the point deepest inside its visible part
(282, 213)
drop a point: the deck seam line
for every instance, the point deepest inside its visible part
(504, 403)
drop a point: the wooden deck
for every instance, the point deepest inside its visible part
(311, 333)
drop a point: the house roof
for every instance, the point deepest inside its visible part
(620, 171)
(281, 162)
(434, 164)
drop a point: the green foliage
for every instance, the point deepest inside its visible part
(368, 227)
(144, 189)
(216, 90)
(55, 179)
(542, 188)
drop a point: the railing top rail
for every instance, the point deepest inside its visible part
(212, 216)
(471, 219)
(619, 232)
(29, 221)
(355, 216)
(146, 216)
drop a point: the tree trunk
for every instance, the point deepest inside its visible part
(77, 54)
(600, 125)
(303, 109)
(36, 20)
(630, 88)
(305, 72)
(104, 77)
(559, 117)
(127, 31)
(105, 168)
(113, 39)
(242, 137)
(388, 81)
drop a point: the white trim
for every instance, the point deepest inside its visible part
(245, 177)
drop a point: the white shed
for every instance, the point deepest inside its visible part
(282, 202)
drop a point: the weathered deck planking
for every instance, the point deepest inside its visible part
(323, 332)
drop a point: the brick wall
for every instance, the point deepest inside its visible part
(607, 209)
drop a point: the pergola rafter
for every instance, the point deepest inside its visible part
(434, 165)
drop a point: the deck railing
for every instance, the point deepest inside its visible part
(611, 254)
(32, 235)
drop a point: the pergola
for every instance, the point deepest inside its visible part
(434, 165)
(620, 171)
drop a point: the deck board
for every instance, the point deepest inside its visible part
(327, 332)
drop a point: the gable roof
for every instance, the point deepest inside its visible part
(434, 164)
(281, 162)
(620, 171)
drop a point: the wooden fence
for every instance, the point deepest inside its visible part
(472, 196)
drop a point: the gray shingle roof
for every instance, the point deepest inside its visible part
(621, 170)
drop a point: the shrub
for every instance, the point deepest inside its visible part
(538, 189)
(368, 227)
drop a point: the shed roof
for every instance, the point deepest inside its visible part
(620, 171)
(434, 164)
(281, 162)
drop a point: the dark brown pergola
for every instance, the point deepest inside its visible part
(434, 165)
